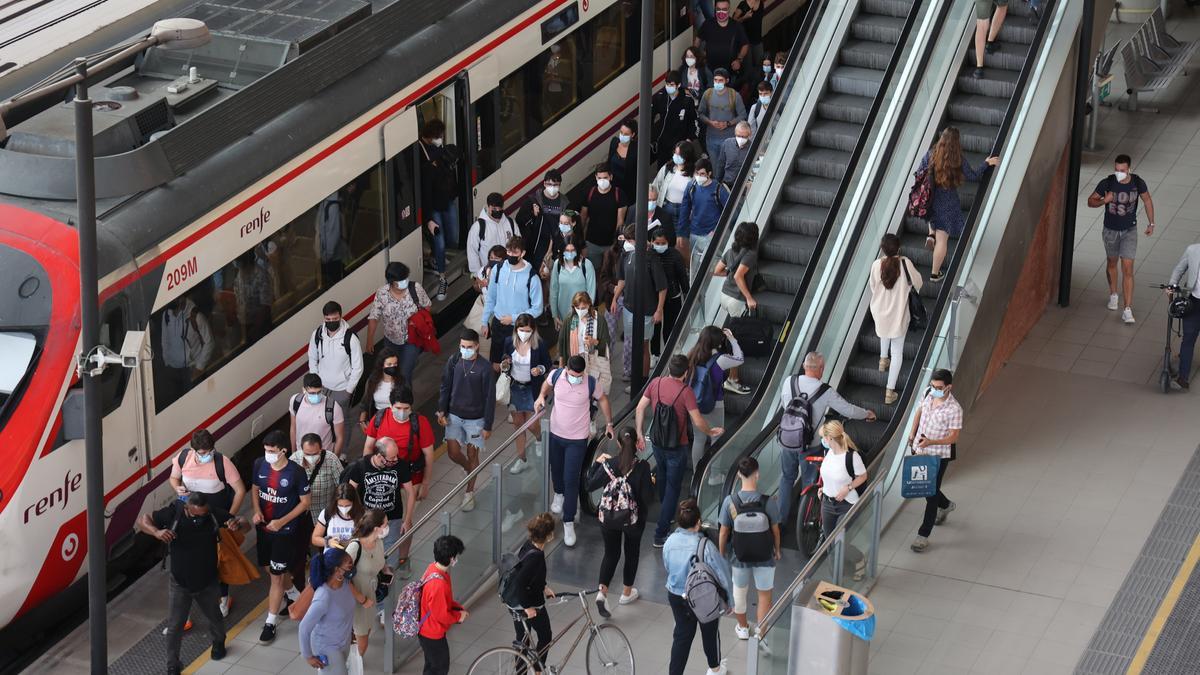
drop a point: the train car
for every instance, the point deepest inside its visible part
(213, 170)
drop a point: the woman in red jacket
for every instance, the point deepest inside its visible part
(439, 611)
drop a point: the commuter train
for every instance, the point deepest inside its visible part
(215, 247)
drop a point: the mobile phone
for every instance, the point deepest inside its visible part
(324, 660)
(385, 578)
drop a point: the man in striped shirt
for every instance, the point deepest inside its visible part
(939, 422)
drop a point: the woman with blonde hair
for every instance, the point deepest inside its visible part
(842, 473)
(586, 333)
(948, 170)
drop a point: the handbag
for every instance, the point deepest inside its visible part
(354, 662)
(918, 476)
(299, 608)
(753, 334)
(918, 318)
(503, 389)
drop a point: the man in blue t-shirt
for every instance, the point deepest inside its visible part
(280, 497)
(1119, 194)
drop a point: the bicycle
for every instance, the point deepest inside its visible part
(808, 515)
(608, 651)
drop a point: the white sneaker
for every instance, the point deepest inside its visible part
(569, 534)
(224, 606)
(742, 632)
(1112, 302)
(518, 466)
(627, 599)
(557, 504)
(511, 519)
(721, 670)
(468, 501)
(1127, 315)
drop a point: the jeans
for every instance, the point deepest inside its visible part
(789, 468)
(180, 603)
(437, 655)
(566, 465)
(669, 465)
(892, 348)
(685, 632)
(394, 533)
(1187, 345)
(496, 333)
(938, 501)
(447, 234)
(408, 358)
(699, 245)
(715, 418)
(540, 624)
(712, 144)
(614, 542)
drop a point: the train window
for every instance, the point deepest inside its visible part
(513, 112)
(559, 82)
(608, 48)
(555, 25)
(439, 107)
(485, 116)
(114, 379)
(358, 231)
(681, 17)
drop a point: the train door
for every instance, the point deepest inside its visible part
(126, 445)
(451, 105)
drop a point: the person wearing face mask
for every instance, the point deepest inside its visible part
(572, 273)
(676, 273)
(780, 63)
(385, 376)
(313, 411)
(622, 161)
(672, 180)
(439, 195)
(335, 523)
(322, 469)
(700, 213)
(529, 587)
(538, 219)
(603, 213)
(713, 362)
(280, 496)
(938, 425)
(325, 629)
(438, 608)
(573, 391)
(749, 14)
(491, 228)
(649, 301)
(335, 353)
(843, 474)
(754, 550)
(733, 154)
(367, 552)
(514, 289)
(720, 109)
(724, 41)
(190, 530)
(1118, 194)
(672, 118)
(394, 305)
(467, 406)
(526, 360)
(200, 468)
(758, 111)
(694, 74)
(586, 333)
(568, 231)
(497, 255)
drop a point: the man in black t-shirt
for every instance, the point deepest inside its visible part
(602, 213)
(1118, 194)
(191, 532)
(385, 483)
(725, 42)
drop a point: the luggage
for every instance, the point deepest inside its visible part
(753, 333)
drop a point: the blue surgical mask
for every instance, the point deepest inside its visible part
(652, 205)
(574, 379)
(764, 99)
(564, 228)
(400, 415)
(466, 352)
(349, 574)
(671, 89)
(204, 459)
(718, 86)
(937, 393)
(402, 284)
(569, 255)
(767, 68)
(313, 398)
(624, 138)
(660, 248)
(825, 444)
(677, 158)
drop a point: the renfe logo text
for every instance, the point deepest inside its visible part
(59, 496)
(256, 223)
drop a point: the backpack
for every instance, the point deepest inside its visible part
(528, 279)
(704, 386)
(169, 547)
(796, 426)
(219, 465)
(664, 426)
(329, 404)
(591, 390)
(704, 594)
(708, 93)
(618, 508)
(691, 193)
(508, 589)
(345, 341)
(412, 434)
(753, 541)
(407, 619)
(921, 195)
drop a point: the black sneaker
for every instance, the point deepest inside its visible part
(287, 602)
(977, 73)
(218, 651)
(441, 289)
(267, 636)
(658, 543)
(602, 606)
(991, 47)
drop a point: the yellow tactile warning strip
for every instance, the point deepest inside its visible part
(1164, 610)
(230, 634)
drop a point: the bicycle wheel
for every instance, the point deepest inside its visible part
(808, 522)
(501, 661)
(609, 651)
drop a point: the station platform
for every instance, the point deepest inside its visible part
(1073, 547)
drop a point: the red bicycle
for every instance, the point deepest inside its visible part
(808, 516)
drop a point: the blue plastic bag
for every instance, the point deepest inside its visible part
(918, 476)
(862, 628)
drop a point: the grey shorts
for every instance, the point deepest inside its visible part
(466, 432)
(983, 8)
(1120, 243)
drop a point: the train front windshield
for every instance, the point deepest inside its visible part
(24, 318)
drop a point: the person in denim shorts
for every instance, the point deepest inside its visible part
(466, 407)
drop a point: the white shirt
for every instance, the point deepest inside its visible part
(676, 184)
(520, 366)
(835, 477)
(336, 527)
(382, 395)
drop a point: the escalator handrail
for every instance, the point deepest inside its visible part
(759, 397)
(928, 338)
(796, 57)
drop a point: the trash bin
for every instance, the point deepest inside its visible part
(831, 627)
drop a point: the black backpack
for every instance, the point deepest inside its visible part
(178, 506)
(329, 403)
(664, 426)
(796, 425)
(345, 341)
(510, 592)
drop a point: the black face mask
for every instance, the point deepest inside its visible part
(333, 325)
(391, 371)
(513, 259)
(495, 214)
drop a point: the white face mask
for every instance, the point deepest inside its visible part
(603, 183)
(701, 180)
(345, 511)
(552, 190)
(437, 142)
(582, 312)
(383, 531)
(741, 142)
(272, 457)
(690, 61)
(628, 246)
(453, 562)
(524, 335)
(1121, 176)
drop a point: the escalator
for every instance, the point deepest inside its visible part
(811, 193)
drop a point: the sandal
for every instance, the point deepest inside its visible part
(930, 242)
